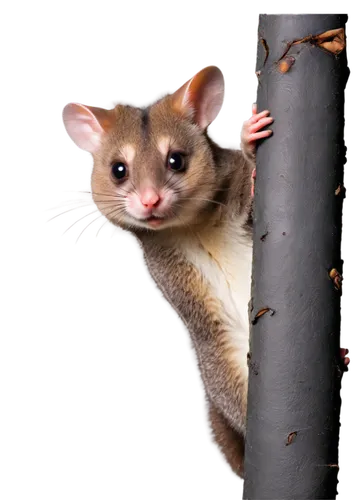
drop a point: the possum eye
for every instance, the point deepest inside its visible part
(119, 171)
(176, 162)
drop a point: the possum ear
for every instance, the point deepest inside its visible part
(87, 125)
(201, 97)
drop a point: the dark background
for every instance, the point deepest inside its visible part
(119, 408)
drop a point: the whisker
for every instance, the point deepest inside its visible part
(118, 210)
(87, 227)
(115, 195)
(112, 213)
(79, 220)
(168, 180)
(79, 192)
(180, 187)
(88, 190)
(202, 184)
(183, 178)
(136, 192)
(205, 199)
(109, 201)
(101, 227)
(78, 237)
(66, 203)
(75, 223)
(64, 213)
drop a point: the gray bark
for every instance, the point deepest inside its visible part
(295, 368)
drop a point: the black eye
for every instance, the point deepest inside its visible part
(176, 162)
(119, 171)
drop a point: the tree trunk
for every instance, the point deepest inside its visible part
(294, 361)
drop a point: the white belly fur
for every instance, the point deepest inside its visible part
(224, 258)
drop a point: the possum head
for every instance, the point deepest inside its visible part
(153, 167)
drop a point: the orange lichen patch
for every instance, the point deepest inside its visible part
(285, 64)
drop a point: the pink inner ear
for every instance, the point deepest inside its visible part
(212, 100)
(201, 97)
(83, 127)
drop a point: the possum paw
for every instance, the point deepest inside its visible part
(252, 132)
(252, 128)
(344, 358)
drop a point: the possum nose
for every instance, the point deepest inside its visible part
(150, 198)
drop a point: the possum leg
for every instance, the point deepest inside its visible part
(231, 442)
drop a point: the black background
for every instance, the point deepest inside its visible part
(119, 411)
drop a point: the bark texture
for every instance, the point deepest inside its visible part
(295, 369)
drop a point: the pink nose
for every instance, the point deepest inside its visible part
(150, 198)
